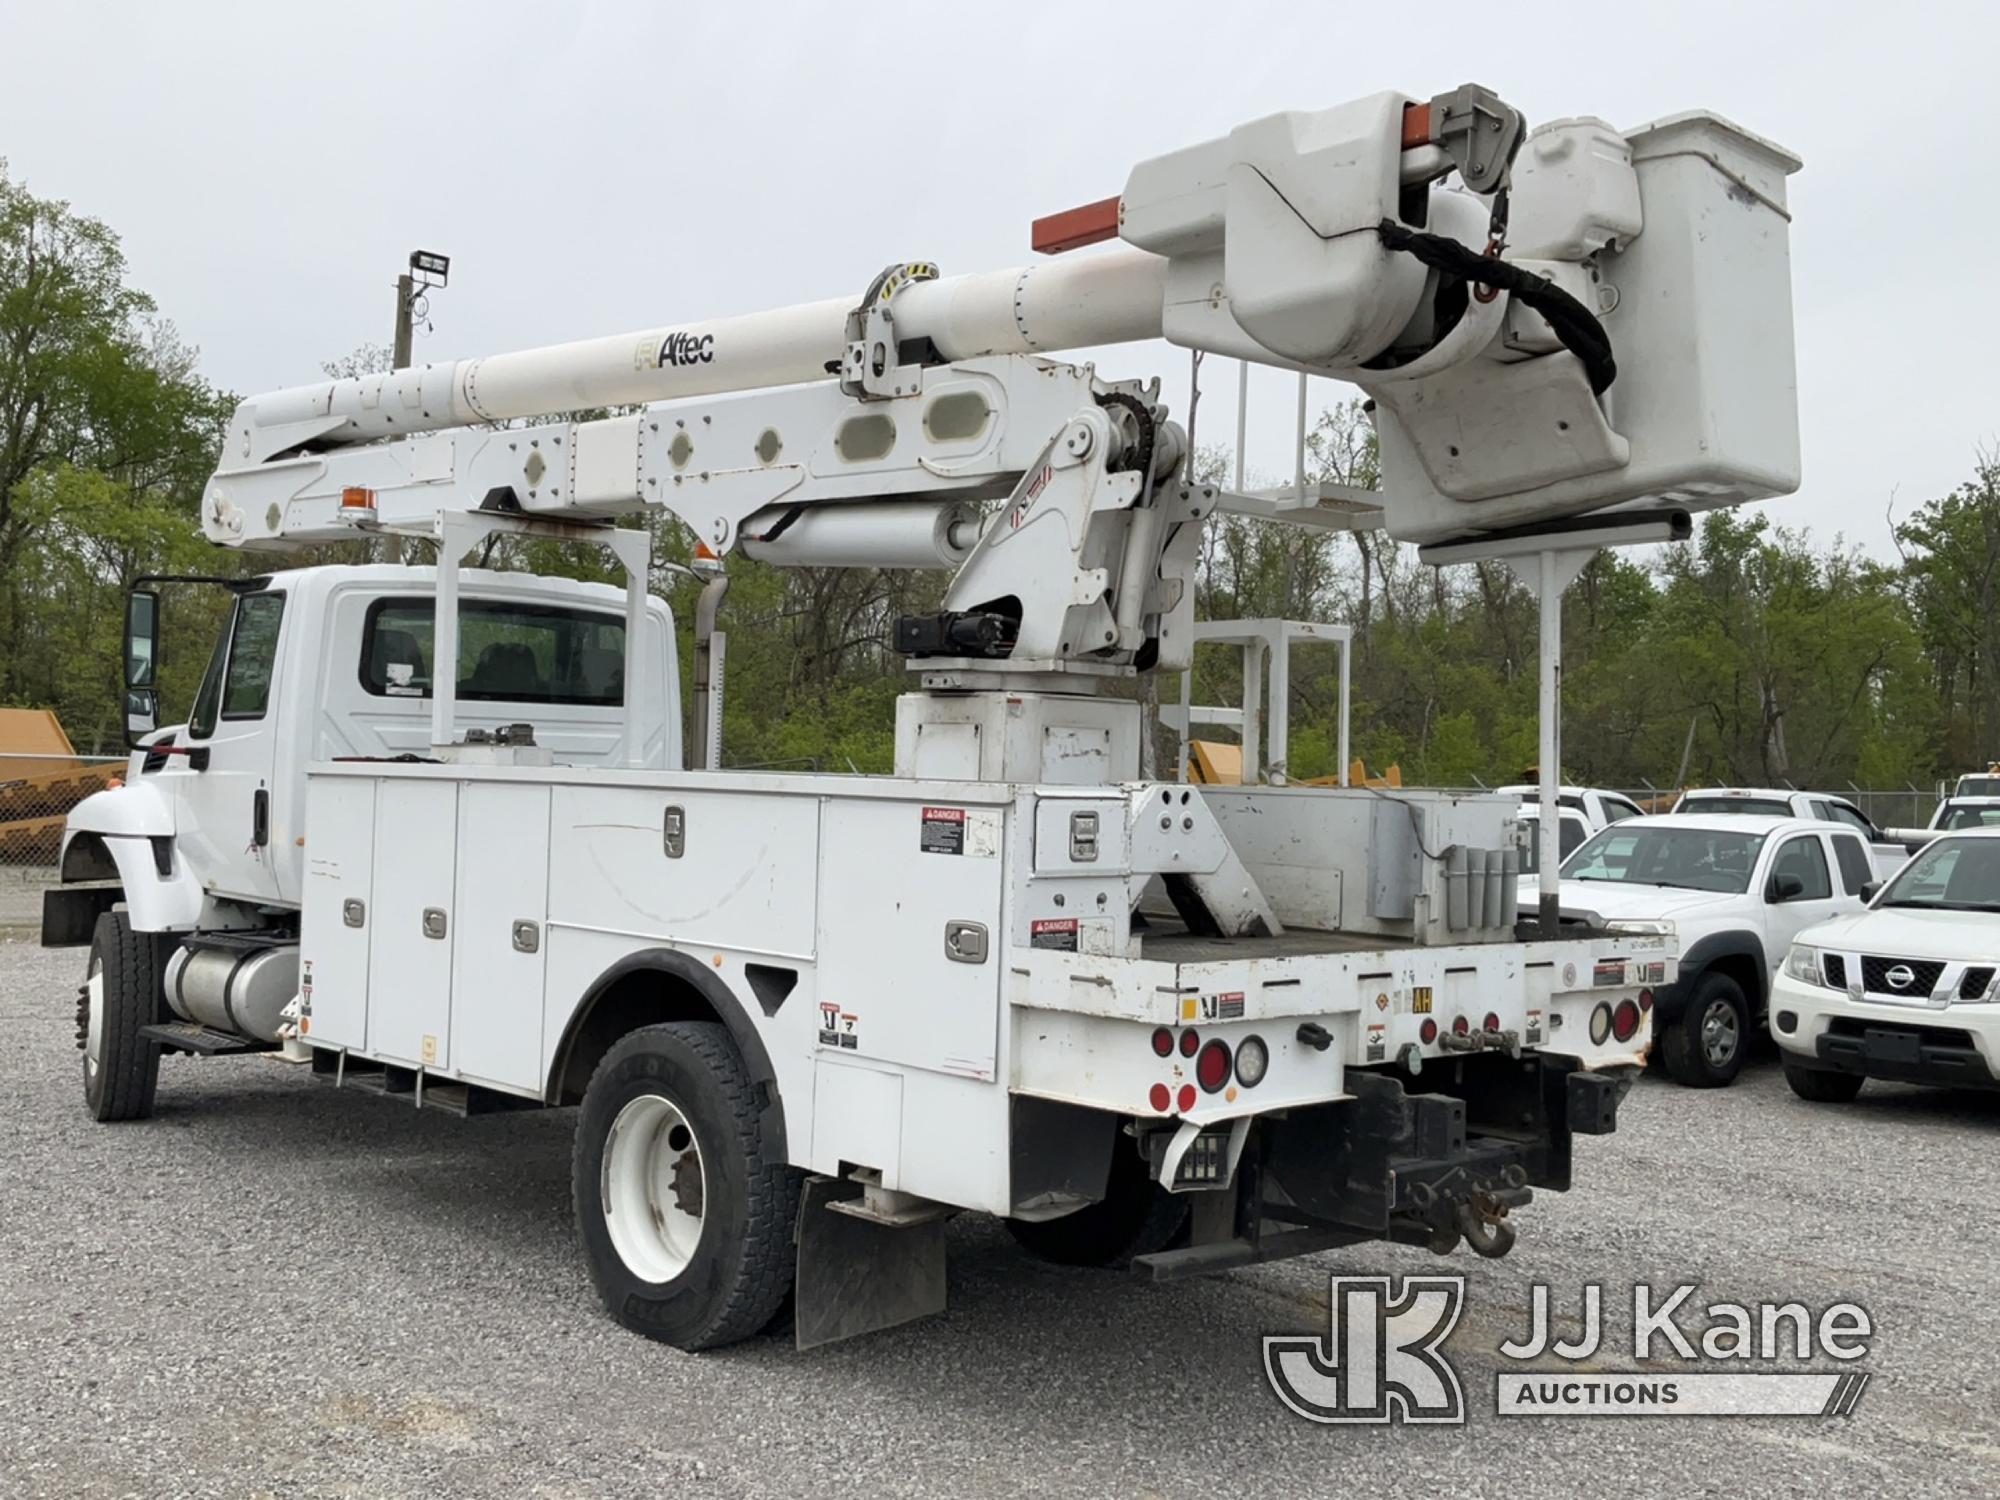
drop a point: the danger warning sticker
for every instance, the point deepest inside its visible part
(943, 831)
(837, 1027)
(1058, 933)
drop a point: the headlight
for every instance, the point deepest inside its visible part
(1802, 964)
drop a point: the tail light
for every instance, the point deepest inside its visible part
(1190, 1042)
(1625, 1021)
(1187, 1097)
(1645, 999)
(1460, 1026)
(1160, 1098)
(1163, 1043)
(1428, 1031)
(1492, 1020)
(1600, 1024)
(1211, 1069)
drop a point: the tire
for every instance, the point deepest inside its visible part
(1705, 1046)
(1822, 1086)
(710, 1260)
(122, 991)
(1135, 1217)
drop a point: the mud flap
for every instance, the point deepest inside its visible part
(855, 1275)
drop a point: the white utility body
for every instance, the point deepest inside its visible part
(807, 1016)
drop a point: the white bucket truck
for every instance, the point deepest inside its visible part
(432, 829)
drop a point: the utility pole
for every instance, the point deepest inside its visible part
(428, 269)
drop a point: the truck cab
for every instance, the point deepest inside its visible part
(335, 663)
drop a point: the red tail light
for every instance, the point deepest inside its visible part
(1460, 1026)
(1625, 1021)
(1428, 1031)
(1163, 1042)
(1160, 1098)
(1187, 1097)
(1211, 1069)
(1492, 1020)
(1190, 1042)
(1645, 999)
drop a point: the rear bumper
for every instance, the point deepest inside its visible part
(1440, 1167)
(1953, 1046)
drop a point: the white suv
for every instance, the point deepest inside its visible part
(1736, 890)
(1907, 990)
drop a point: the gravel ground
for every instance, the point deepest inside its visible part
(274, 1289)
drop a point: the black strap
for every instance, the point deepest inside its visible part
(1576, 325)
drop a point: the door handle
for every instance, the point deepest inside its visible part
(260, 818)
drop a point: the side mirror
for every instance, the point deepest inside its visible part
(142, 654)
(1870, 889)
(1787, 887)
(142, 637)
(142, 713)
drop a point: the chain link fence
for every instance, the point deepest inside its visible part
(36, 794)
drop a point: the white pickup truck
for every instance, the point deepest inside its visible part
(1887, 848)
(1736, 891)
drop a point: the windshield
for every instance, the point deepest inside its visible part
(1689, 859)
(1951, 875)
(1761, 807)
(1959, 815)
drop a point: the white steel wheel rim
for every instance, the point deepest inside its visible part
(654, 1188)
(93, 1041)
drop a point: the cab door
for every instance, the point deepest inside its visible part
(222, 788)
(1791, 908)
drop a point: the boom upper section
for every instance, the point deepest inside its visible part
(1550, 323)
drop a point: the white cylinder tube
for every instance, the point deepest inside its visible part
(895, 534)
(1112, 297)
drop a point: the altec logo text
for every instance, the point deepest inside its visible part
(1382, 1359)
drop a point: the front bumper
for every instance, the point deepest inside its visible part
(1951, 1046)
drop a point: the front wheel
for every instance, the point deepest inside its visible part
(1820, 1086)
(687, 1233)
(122, 991)
(1703, 1048)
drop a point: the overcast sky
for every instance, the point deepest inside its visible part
(594, 167)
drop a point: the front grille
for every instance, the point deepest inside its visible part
(1924, 976)
(1974, 984)
(1834, 966)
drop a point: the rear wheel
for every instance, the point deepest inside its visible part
(1135, 1217)
(687, 1234)
(121, 992)
(1703, 1049)
(1821, 1086)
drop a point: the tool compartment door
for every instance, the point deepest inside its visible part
(338, 911)
(409, 955)
(498, 933)
(894, 878)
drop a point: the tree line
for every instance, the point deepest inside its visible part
(1752, 653)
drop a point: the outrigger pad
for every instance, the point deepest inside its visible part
(856, 1276)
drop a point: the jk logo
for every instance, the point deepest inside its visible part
(1379, 1361)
